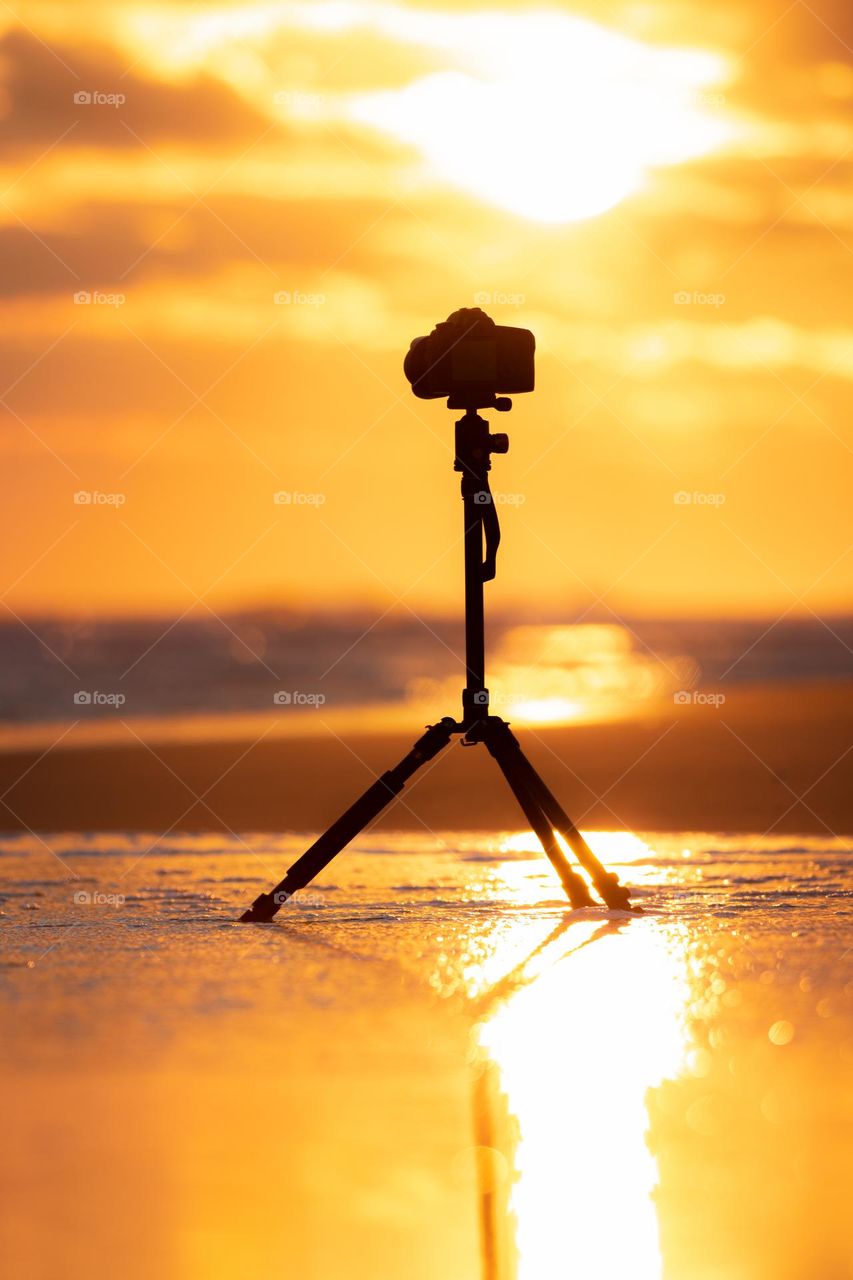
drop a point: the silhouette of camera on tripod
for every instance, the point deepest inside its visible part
(475, 364)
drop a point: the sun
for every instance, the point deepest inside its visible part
(545, 710)
(560, 120)
(543, 113)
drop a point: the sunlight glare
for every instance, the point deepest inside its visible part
(545, 710)
(544, 114)
(566, 127)
(617, 848)
(577, 1051)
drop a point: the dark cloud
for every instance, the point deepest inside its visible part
(39, 84)
(123, 245)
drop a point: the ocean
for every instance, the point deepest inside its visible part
(234, 664)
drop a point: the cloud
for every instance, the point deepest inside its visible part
(286, 244)
(39, 83)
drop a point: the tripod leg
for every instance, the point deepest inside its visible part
(614, 894)
(356, 818)
(503, 751)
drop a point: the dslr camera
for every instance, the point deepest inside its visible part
(470, 360)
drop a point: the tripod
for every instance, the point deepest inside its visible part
(541, 809)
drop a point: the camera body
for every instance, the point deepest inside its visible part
(470, 359)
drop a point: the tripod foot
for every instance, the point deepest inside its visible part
(615, 895)
(261, 911)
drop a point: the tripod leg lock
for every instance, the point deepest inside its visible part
(475, 708)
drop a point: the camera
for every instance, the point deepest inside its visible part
(470, 359)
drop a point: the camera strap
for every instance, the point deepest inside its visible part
(492, 534)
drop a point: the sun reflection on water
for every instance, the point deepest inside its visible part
(613, 847)
(577, 1049)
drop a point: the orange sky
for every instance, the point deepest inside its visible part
(380, 165)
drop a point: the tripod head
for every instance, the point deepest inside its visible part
(475, 445)
(485, 400)
(474, 442)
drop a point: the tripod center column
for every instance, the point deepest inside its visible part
(472, 460)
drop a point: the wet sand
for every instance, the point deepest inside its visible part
(428, 1066)
(770, 758)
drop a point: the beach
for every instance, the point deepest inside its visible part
(274, 276)
(428, 1065)
(764, 758)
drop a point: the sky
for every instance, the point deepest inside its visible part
(223, 224)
